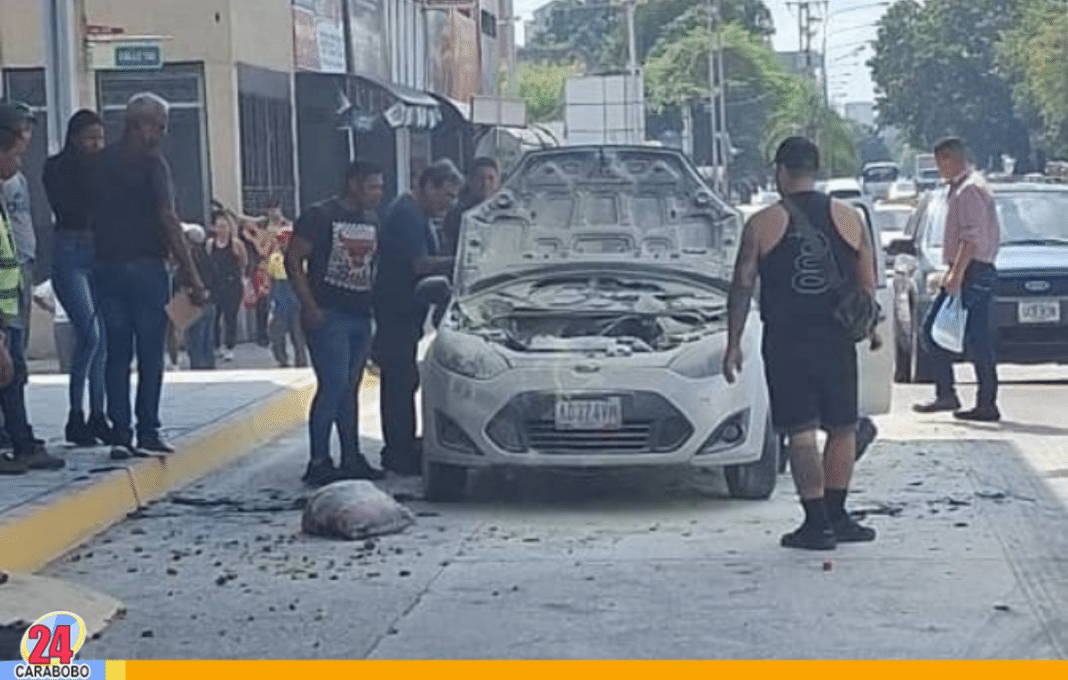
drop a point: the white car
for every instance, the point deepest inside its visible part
(586, 328)
(878, 178)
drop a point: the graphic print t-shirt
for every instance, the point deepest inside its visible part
(344, 253)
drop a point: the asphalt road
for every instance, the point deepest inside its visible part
(971, 560)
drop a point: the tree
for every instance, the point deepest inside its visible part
(660, 21)
(764, 105)
(575, 29)
(541, 86)
(1036, 53)
(936, 74)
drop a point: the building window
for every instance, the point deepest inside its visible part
(266, 153)
(489, 24)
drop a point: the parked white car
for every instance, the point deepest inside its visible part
(586, 328)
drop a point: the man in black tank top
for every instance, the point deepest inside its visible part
(810, 363)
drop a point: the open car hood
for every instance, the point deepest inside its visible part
(586, 205)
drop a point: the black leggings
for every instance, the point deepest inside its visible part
(229, 304)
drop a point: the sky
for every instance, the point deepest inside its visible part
(851, 24)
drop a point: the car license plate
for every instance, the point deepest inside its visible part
(1040, 311)
(589, 414)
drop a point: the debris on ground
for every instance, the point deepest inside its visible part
(354, 510)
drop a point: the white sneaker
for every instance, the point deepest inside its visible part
(228, 355)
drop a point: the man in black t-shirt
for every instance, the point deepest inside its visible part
(409, 251)
(339, 241)
(136, 227)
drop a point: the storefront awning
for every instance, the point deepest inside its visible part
(462, 110)
(408, 107)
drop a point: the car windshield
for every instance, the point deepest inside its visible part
(1027, 218)
(885, 174)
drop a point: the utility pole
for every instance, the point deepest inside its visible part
(64, 48)
(713, 101)
(725, 139)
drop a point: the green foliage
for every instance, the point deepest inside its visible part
(541, 85)
(765, 103)
(936, 73)
(1035, 52)
(575, 30)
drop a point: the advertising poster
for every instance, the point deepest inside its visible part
(368, 44)
(319, 36)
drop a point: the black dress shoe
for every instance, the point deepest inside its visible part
(321, 475)
(154, 445)
(940, 405)
(78, 432)
(360, 469)
(980, 414)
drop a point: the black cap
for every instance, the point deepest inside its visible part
(13, 115)
(798, 154)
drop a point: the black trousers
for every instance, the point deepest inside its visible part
(395, 350)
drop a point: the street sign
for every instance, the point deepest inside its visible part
(138, 57)
(126, 53)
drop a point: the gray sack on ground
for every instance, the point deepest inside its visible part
(354, 510)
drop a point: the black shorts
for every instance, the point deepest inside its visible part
(812, 380)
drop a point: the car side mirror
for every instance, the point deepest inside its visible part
(433, 290)
(901, 246)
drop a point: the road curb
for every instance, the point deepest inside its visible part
(38, 533)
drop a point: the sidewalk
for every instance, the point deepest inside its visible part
(211, 417)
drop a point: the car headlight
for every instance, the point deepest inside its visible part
(469, 356)
(703, 361)
(934, 281)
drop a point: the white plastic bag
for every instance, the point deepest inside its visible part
(949, 325)
(354, 510)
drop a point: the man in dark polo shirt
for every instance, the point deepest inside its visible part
(137, 226)
(409, 250)
(339, 241)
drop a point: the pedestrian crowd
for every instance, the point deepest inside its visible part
(132, 285)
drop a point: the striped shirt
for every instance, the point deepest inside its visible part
(971, 218)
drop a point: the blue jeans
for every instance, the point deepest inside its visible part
(980, 334)
(200, 341)
(339, 349)
(74, 283)
(13, 397)
(133, 296)
(285, 323)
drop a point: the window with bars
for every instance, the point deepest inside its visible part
(267, 174)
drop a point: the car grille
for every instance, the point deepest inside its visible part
(1014, 284)
(543, 436)
(651, 424)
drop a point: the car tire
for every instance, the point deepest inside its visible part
(756, 480)
(444, 483)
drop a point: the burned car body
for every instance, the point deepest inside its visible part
(587, 326)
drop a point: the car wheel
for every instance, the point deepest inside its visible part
(444, 483)
(756, 481)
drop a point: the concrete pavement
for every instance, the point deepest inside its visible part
(212, 417)
(971, 561)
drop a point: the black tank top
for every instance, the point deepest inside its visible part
(795, 292)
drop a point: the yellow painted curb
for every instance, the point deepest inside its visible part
(45, 530)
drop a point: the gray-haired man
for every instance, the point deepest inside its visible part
(137, 227)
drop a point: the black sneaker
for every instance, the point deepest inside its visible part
(321, 475)
(154, 444)
(807, 538)
(98, 425)
(126, 452)
(360, 469)
(849, 531)
(38, 458)
(78, 432)
(9, 465)
(940, 405)
(980, 414)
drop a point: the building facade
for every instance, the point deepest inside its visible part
(271, 98)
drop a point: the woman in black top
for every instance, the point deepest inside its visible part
(228, 259)
(66, 180)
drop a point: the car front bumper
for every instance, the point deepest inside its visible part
(668, 419)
